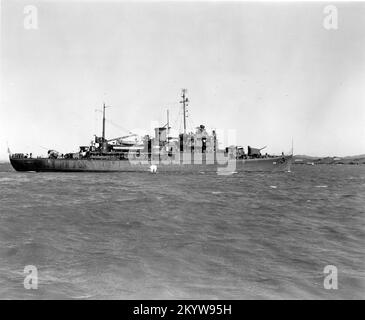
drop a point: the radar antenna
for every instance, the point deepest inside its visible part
(184, 102)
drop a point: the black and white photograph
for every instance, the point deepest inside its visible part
(182, 150)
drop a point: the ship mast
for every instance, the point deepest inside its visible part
(168, 124)
(168, 118)
(103, 133)
(184, 102)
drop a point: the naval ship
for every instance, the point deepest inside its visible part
(197, 152)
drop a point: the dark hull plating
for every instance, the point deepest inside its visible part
(89, 165)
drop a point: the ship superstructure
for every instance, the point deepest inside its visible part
(189, 151)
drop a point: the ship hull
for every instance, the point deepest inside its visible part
(273, 164)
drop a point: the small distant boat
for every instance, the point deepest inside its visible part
(189, 152)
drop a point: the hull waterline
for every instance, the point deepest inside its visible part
(272, 164)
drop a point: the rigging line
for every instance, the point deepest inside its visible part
(180, 121)
(175, 122)
(181, 124)
(171, 103)
(113, 123)
(190, 122)
(118, 126)
(192, 126)
(43, 147)
(96, 122)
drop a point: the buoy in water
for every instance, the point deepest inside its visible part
(153, 168)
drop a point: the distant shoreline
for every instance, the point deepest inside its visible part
(350, 160)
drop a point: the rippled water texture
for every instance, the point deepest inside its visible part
(142, 235)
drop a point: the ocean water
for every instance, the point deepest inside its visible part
(174, 236)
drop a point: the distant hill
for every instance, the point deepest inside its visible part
(360, 156)
(304, 159)
(302, 156)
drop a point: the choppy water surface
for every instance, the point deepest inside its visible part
(131, 236)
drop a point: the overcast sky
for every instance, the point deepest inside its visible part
(269, 70)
